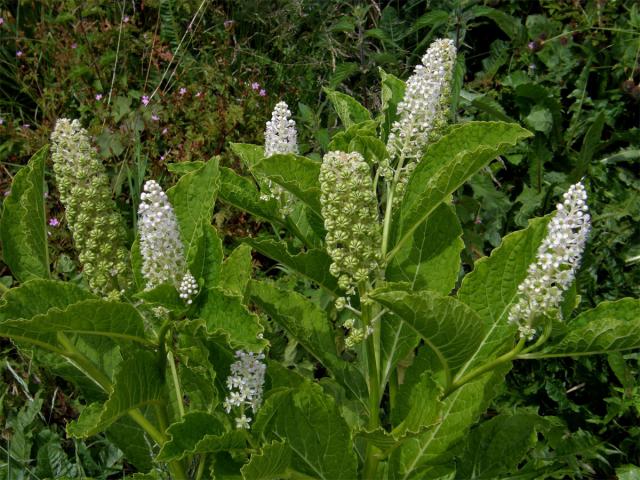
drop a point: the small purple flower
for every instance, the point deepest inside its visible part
(26, 125)
(19, 53)
(54, 222)
(6, 193)
(145, 100)
(165, 131)
(228, 23)
(198, 95)
(182, 91)
(263, 92)
(162, 158)
(155, 117)
(255, 86)
(98, 97)
(74, 45)
(126, 19)
(1, 121)
(1, 20)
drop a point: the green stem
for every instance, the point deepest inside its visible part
(201, 465)
(507, 357)
(371, 458)
(175, 467)
(393, 388)
(162, 348)
(176, 383)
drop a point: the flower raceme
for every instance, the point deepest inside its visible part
(163, 258)
(557, 260)
(245, 385)
(350, 212)
(280, 137)
(423, 109)
(96, 226)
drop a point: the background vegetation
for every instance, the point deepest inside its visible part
(160, 82)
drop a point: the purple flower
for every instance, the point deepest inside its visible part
(228, 23)
(155, 117)
(165, 131)
(26, 125)
(19, 53)
(255, 86)
(182, 91)
(126, 19)
(1, 121)
(54, 222)
(98, 97)
(6, 193)
(1, 20)
(263, 92)
(145, 100)
(161, 158)
(198, 95)
(74, 45)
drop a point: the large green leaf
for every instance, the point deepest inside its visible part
(448, 326)
(397, 340)
(446, 165)
(310, 423)
(272, 463)
(112, 321)
(459, 412)
(23, 227)
(296, 174)
(347, 108)
(312, 264)
(185, 435)
(236, 271)
(36, 297)
(225, 314)
(309, 325)
(611, 326)
(193, 198)
(242, 193)
(492, 287)
(431, 259)
(137, 383)
(485, 455)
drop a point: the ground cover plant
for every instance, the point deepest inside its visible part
(168, 347)
(240, 339)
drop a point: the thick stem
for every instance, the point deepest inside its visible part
(176, 383)
(371, 456)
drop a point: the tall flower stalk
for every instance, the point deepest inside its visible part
(95, 224)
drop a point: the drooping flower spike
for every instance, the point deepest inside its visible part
(557, 261)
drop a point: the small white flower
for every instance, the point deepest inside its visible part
(556, 263)
(188, 288)
(280, 135)
(245, 384)
(243, 422)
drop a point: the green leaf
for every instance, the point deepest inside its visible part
(628, 472)
(37, 297)
(192, 199)
(185, 435)
(224, 313)
(423, 405)
(492, 287)
(347, 108)
(271, 463)
(448, 326)
(308, 324)
(296, 174)
(243, 194)
(129, 437)
(431, 260)
(164, 295)
(446, 165)
(372, 149)
(113, 321)
(485, 455)
(236, 271)
(213, 256)
(459, 412)
(137, 383)
(249, 154)
(312, 426)
(312, 264)
(185, 167)
(392, 93)
(397, 340)
(611, 326)
(23, 227)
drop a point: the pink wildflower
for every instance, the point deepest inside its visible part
(263, 92)
(182, 91)
(255, 86)
(145, 100)
(98, 97)
(54, 222)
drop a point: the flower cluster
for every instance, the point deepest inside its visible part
(245, 385)
(95, 224)
(424, 106)
(280, 136)
(557, 260)
(163, 258)
(350, 212)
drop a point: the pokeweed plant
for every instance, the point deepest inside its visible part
(176, 365)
